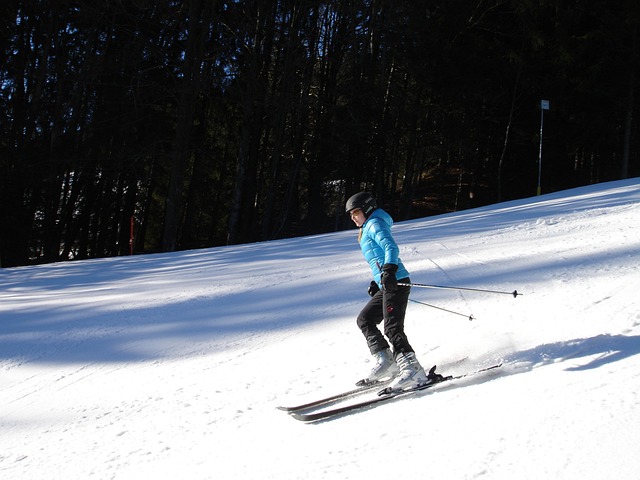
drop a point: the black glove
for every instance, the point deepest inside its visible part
(389, 280)
(373, 288)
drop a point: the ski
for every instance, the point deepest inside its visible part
(383, 396)
(337, 397)
(363, 386)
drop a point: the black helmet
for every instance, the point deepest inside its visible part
(364, 201)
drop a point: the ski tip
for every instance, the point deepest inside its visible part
(314, 416)
(301, 417)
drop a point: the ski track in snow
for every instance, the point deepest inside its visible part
(171, 365)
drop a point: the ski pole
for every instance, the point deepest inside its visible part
(514, 293)
(470, 317)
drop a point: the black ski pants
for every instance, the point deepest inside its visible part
(388, 308)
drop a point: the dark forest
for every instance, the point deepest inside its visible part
(203, 123)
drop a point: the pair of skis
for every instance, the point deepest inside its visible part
(308, 412)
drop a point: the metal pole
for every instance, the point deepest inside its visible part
(515, 293)
(469, 317)
(544, 105)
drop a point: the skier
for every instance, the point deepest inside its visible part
(388, 302)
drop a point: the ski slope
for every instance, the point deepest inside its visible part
(172, 365)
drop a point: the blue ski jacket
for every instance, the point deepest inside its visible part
(378, 245)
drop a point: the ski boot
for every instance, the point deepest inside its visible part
(411, 374)
(384, 367)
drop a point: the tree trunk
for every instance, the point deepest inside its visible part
(189, 90)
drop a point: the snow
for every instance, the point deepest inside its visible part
(172, 365)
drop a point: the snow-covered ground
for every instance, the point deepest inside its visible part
(172, 365)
